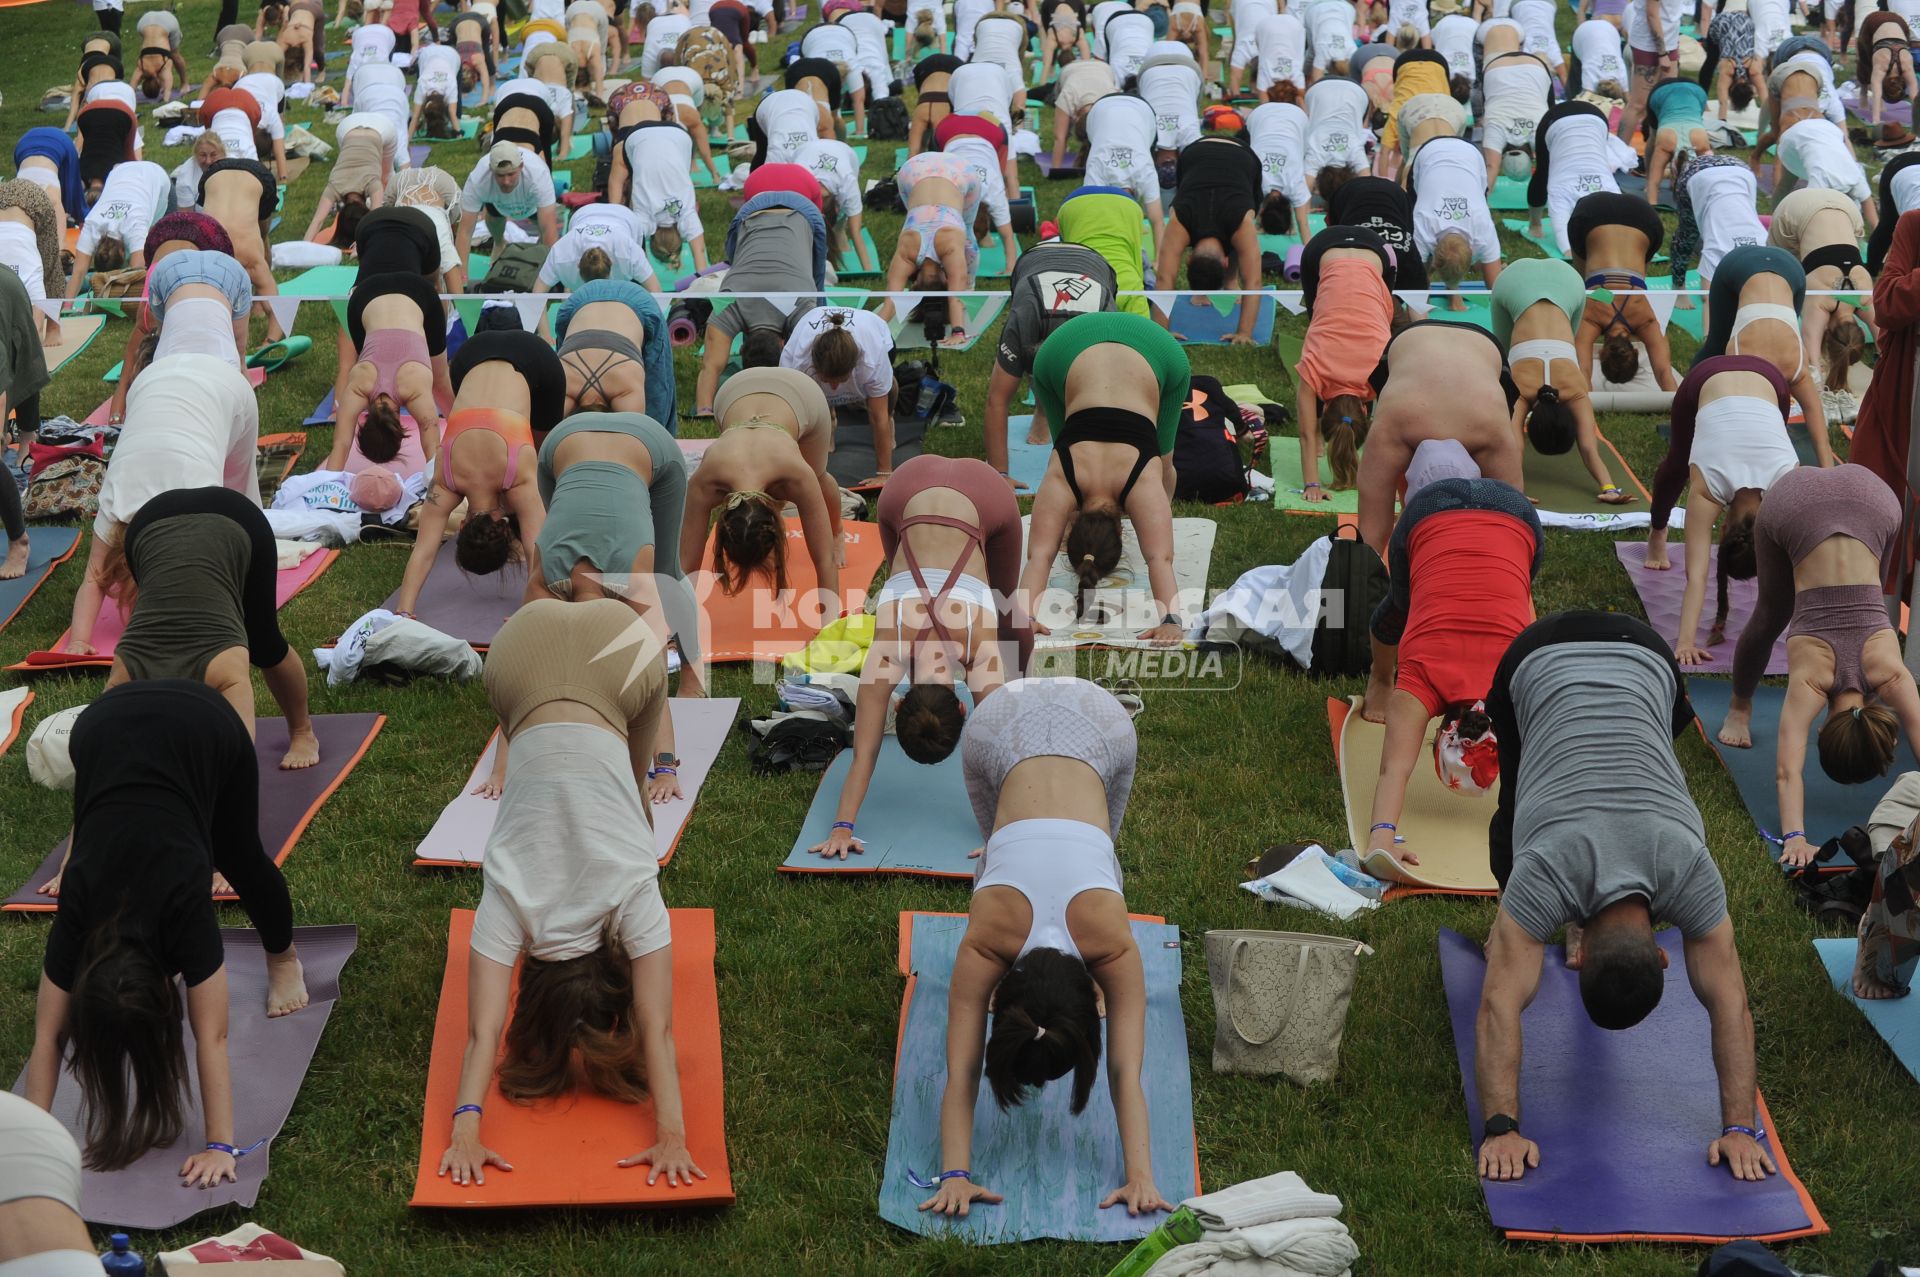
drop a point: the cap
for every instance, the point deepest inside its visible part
(505, 157)
(376, 490)
(1470, 768)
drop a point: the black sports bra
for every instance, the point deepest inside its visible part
(1107, 425)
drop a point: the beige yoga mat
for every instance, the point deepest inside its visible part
(1124, 606)
(1448, 832)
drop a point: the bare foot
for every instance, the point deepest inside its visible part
(303, 750)
(16, 565)
(1374, 708)
(1576, 946)
(286, 984)
(1456, 302)
(221, 887)
(1038, 435)
(1737, 730)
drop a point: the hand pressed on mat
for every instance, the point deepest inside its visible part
(1743, 1154)
(957, 1196)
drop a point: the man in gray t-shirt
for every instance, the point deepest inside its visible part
(1595, 832)
(772, 252)
(1051, 284)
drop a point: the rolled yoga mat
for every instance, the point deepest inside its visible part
(470, 608)
(1661, 594)
(1623, 1119)
(1447, 831)
(458, 838)
(289, 800)
(757, 625)
(1123, 606)
(915, 819)
(48, 548)
(1053, 1167)
(1896, 1020)
(1660, 401)
(1830, 806)
(270, 1059)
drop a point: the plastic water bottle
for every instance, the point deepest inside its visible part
(122, 1261)
(1180, 1228)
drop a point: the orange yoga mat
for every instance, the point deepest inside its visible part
(13, 712)
(565, 1152)
(758, 625)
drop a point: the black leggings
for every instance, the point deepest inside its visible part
(110, 18)
(1882, 238)
(259, 593)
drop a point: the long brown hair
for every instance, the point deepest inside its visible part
(1843, 346)
(577, 1007)
(381, 433)
(436, 117)
(835, 352)
(1857, 745)
(127, 1049)
(1093, 548)
(1344, 422)
(1738, 559)
(749, 537)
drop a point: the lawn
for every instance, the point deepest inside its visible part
(809, 993)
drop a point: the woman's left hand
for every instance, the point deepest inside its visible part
(670, 1158)
(662, 788)
(1796, 852)
(1165, 634)
(208, 1168)
(1139, 1196)
(1237, 339)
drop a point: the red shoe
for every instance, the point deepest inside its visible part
(1049, 230)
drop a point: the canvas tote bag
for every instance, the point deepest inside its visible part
(1280, 1001)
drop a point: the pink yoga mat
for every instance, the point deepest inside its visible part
(459, 837)
(1660, 593)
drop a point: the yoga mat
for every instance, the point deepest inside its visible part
(703, 181)
(1073, 164)
(908, 334)
(848, 266)
(1622, 1119)
(1198, 322)
(1544, 241)
(993, 260)
(112, 621)
(564, 1151)
(1660, 593)
(757, 625)
(1562, 485)
(276, 458)
(289, 800)
(323, 414)
(1289, 482)
(915, 819)
(76, 334)
(1830, 806)
(1479, 311)
(1053, 1167)
(1026, 462)
(469, 126)
(1509, 195)
(1124, 606)
(1900, 113)
(13, 711)
(48, 548)
(458, 838)
(269, 1061)
(1447, 831)
(1896, 1020)
(470, 608)
(580, 149)
(853, 461)
(1691, 322)
(1635, 184)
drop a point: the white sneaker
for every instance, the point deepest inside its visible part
(756, 37)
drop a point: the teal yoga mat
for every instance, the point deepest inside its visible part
(1026, 462)
(1896, 1020)
(1054, 1168)
(1691, 322)
(703, 180)
(1830, 806)
(1207, 322)
(849, 267)
(915, 820)
(1543, 241)
(1479, 310)
(1509, 195)
(469, 126)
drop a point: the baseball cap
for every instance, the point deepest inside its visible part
(505, 157)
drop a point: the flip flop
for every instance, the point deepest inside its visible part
(290, 348)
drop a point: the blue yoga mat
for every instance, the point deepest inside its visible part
(50, 547)
(1054, 1168)
(1830, 806)
(322, 415)
(1025, 461)
(1897, 1020)
(915, 820)
(1202, 323)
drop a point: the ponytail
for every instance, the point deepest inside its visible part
(1344, 423)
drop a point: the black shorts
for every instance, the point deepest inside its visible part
(416, 288)
(537, 362)
(1605, 208)
(815, 69)
(397, 239)
(269, 189)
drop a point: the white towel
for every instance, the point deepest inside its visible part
(1261, 1201)
(1287, 1248)
(291, 554)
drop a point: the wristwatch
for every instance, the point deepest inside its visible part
(1500, 1124)
(664, 759)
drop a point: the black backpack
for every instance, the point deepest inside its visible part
(1206, 452)
(515, 268)
(887, 120)
(1355, 583)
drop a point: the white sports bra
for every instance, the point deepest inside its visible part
(1049, 862)
(1756, 312)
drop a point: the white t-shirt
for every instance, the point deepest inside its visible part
(1278, 51)
(1249, 14)
(1172, 89)
(1905, 188)
(968, 12)
(984, 163)
(1773, 22)
(20, 253)
(663, 33)
(1407, 13)
(235, 130)
(830, 41)
(1597, 44)
(614, 228)
(1330, 32)
(661, 187)
(838, 168)
(554, 11)
(558, 97)
(997, 40)
(1277, 131)
(533, 192)
(1337, 125)
(872, 375)
(1517, 92)
(981, 88)
(1818, 153)
(1453, 40)
(571, 849)
(1450, 194)
(1495, 23)
(1121, 132)
(1581, 165)
(790, 118)
(1096, 22)
(438, 68)
(268, 91)
(381, 87)
(371, 43)
(870, 42)
(1640, 31)
(1725, 200)
(1129, 36)
(1536, 19)
(134, 198)
(110, 91)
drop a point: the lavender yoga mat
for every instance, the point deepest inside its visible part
(288, 799)
(1623, 1120)
(270, 1060)
(1660, 593)
(471, 608)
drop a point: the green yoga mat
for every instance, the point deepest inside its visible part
(324, 281)
(849, 267)
(1691, 322)
(1479, 310)
(1509, 196)
(980, 312)
(1543, 241)
(1562, 484)
(469, 126)
(703, 180)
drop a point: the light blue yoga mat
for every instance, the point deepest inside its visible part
(849, 267)
(915, 820)
(1830, 806)
(1026, 462)
(1054, 1168)
(48, 548)
(1207, 322)
(1509, 195)
(1479, 310)
(1897, 1020)
(1544, 241)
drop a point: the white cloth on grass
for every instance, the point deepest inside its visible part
(1280, 603)
(1261, 1201)
(342, 661)
(1293, 1248)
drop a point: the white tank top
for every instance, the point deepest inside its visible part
(1049, 862)
(1740, 442)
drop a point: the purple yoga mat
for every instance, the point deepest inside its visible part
(288, 800)
(1073, 165)
(1623, 1119)
(1900, 113)
(269, 1059)
(471, 608)
(1660, 593)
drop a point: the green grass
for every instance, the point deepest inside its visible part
(809, 994)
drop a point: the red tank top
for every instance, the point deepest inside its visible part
(1472, 594)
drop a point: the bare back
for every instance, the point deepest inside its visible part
(1454, 393)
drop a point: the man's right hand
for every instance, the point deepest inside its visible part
(1507, 1157)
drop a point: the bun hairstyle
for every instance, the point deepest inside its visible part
(923, 30)
(1329, 180)
(1406, 37)
(1619, 358)
(1093, 547)
(381, 433)
(579, 1008)
(750, 537)
(1461, 88)
(1276, 214)
(596, 263)
(1843, 346)
(1046, 1024)
(1551, 426)
(346, 222)
(126, 1049)
(487, 542)
(1737, 559)
(1857, 745)
(1344, 424)
(835, 352)
(928, 722)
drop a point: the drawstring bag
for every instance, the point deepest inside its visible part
(1280, 1001)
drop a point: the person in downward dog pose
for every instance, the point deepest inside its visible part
(1217, 189)
(1452, 222)
(936, 250)
(615, 351)
(1823, 230)
(1571, 160)
(1611, 239)
(1821, 541)
(1049, 766)
(1676, 111)
(1346, 274)
(1754, 308)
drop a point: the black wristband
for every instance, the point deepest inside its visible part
(1500, 1124)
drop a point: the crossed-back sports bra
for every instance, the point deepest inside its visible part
(935, 585)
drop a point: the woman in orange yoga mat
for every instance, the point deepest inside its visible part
(153, 827)
(572, 894)
(1048, 947)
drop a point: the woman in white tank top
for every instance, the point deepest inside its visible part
(1049, 765)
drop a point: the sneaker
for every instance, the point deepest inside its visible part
(756, 37)
(952, 416)
(1841, 406)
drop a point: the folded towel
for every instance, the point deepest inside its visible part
(1318, 1247)
(291, 554)
(1261, 1201)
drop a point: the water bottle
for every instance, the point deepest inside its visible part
(121, 1261)
(1180, 1228)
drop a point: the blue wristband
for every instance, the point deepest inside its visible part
(921, 1182)
(965, 1175)
(215, 1146)
(844, 824)
(467, 1108)
(1385, 824)
(1754, 1133)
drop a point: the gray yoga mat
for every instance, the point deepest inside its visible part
(270, 1059)
(471, 608)
(915, 820)
(852, 461)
